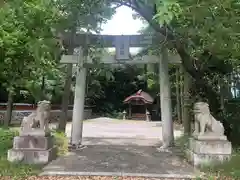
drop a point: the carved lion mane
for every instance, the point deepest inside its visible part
(204, 121)
(39, 117)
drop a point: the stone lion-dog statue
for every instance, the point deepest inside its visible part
(205, 123)
(38, 119)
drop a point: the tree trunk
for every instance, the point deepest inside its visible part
(145, 72)
(43, 88)
(65, 100)
(178, 103)
(181, 92)
(187, 104)
(8, 116)
(222, 93)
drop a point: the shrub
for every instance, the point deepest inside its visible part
(6, 140)
(231, 121)
(115, 115)
(60, 142)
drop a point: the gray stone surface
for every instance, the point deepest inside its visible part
(207, 151)
(137, 141)
(121, 132)
(210, 146)
(33, 132)
(33, 142)
(31, 156)
(210, 136)
(200, 160)
(121, 148)
(122, 160)
(35, 148)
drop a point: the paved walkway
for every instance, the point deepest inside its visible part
(121, 161)
(121, 148)
(108, 131)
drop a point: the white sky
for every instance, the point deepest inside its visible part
(122, 23)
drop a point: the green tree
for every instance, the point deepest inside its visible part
(28, 46)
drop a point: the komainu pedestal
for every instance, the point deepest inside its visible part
(34, 145)
(208, 144)
(32, 150)
(208, 149)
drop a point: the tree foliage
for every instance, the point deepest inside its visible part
(210, 25)
(28, 47)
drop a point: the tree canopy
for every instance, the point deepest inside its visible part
(28, 46)
(204, 33)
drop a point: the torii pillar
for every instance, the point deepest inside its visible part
(165, 99)
(79, 99)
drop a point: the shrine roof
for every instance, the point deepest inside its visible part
(140, 95)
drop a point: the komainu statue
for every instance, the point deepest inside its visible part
(38, 119)
(205, 123)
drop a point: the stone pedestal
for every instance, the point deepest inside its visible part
(207, 149)
(35, 148)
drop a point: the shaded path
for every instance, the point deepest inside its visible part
(121, 148)
(121, 160)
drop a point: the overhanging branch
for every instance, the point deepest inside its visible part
(188, 62)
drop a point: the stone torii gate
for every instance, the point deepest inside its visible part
(122, 43)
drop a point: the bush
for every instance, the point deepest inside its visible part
(60, 142)
(231, 121)
(6, 140)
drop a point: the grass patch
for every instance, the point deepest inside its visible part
(60, 142)
(182, 144)
(227, 170)
(19, 171)
(15, 170)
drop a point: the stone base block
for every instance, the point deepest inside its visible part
(34, 132)
(210, 146)
(33, 142)
(210, 136)
(199, 160)
(31, 156)
(208, 151)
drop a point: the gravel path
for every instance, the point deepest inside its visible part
(107, 131)
(112, 160)
(120, 148)
(87, 178)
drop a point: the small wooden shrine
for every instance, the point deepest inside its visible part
(138, 106)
